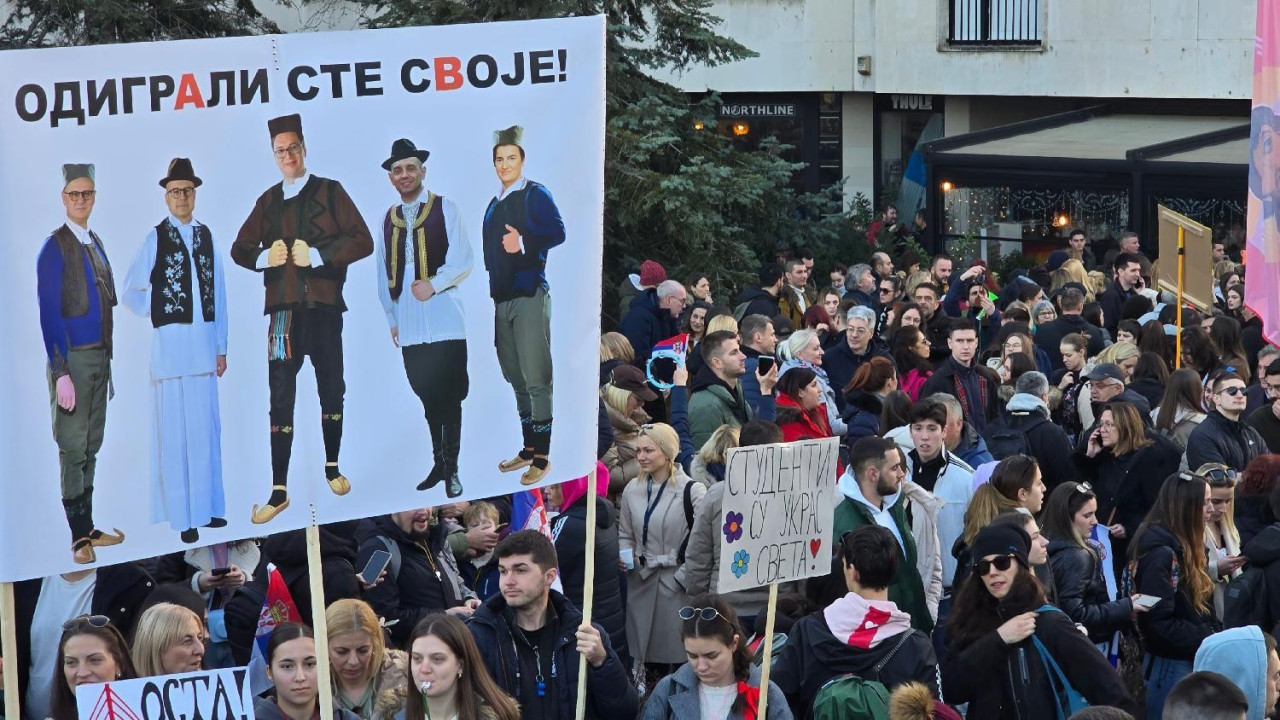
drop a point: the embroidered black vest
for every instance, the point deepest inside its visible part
(428, 236)
(171, 298)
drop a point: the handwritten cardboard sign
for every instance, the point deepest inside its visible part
(204, 695)
(779, 503)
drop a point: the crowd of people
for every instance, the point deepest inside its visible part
(1042, 511)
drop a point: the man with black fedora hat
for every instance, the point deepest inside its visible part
(176, 281)
(301, 235)
(77, 293)
(521, 225)
(423, 248)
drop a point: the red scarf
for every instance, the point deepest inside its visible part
(752, 697)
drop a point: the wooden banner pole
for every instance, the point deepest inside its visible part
(9, 651)
(588, 588)
(768, 652)
(315, 578)
(1182, 255)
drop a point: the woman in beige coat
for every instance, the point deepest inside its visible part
(651, 527)
(624, 396)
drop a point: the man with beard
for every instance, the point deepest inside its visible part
(935, 322)
(870, 494)
(424, 246)
(422, 576)
(76, 293)
(301, 235)
(521, 225)
(176, 281)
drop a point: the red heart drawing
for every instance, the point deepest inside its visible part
(813, 547)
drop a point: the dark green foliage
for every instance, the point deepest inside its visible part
(58, 23)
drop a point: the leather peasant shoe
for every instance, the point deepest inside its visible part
(339, 484)
(534, 474)
(268, 512)
(97, 538)
(82, 552)
(515, 463)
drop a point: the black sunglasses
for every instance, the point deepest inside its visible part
(1233, 390)
(1002, 563)
(1221, 475)
(98, 621)
(689, 612)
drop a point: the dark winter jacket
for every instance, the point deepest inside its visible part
(421, 586)
(118, 593)
(1045, 441)
(972, 447)
(755, 301)
(813, 656)
(841, 363)
(862, 416)
(713, 403)
(1174, 628)
(570, 532)
(1112, 302)
(610, 693)
(1219, 440)
(1082, 591)
(1263, 551)
(646, 325)
(338, 551)
(1253, 513)
(1264, 420)
(1127, 486)
(1049, 337)
(1007, 682)
(944, 381)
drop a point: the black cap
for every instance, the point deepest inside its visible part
(1106, 371)
(1002, 540)
(403, 149)
(285, 123)
(180, 169)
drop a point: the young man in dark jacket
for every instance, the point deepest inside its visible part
(863, 633)
(763, 299)
(532, 631)
(975, 385)
(1027, 414)
(1222, 437)
(1266, 417)
(1049, 335)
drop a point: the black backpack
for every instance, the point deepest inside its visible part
(1245, 600)
(688, 519)
(1008, 437)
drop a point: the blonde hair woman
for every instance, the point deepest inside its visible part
(1221, 538)
(720, 322)
(1072, 271)
(368, 677)
(626, 415)
(915, 280)
(708, 465)
(616, 346)
(170, 639)
(651, 527)
(1124, 354)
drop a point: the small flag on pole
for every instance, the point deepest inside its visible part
(277, 608)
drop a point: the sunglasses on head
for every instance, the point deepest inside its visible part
(1220, 475)
(688, 612)
(98, 621)
(1002, 563)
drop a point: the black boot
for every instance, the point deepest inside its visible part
(452, 436)
(437, 456)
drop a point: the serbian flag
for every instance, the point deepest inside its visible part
(277, 608)
(678, 344)
(529, 512)
(1262, 256)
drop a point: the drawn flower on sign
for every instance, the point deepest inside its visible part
(741, 560)
(732, 526)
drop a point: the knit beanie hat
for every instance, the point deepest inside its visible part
(1056, 259)
(651, 273)
(1002, 540)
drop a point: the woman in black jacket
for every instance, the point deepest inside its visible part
(997, 628)
(1167, 560)
(570, 532)
(1127, 463)
(1069, 519)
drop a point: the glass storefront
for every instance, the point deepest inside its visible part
(809, 123)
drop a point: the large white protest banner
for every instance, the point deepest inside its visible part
(779, 503)
(207, 694)
(251, 275)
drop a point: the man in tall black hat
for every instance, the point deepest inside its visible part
(521, 225)
(77, 293)
(301, 235)
(176, 281)
(424, 249)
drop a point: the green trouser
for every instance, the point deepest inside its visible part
(522, 335)
(79, 432)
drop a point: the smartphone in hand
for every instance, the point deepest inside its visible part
(373, 569)
(766, 364)
(1146, 601)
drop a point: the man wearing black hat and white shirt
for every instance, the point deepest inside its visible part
(77, 292)
(301, 235)
(423, 248)
(176, 280)
(521, 225)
